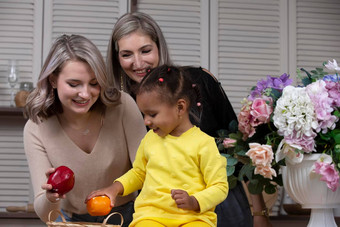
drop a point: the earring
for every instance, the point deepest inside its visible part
(52, 93)
(121, 82)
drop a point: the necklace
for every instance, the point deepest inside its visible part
(87, 130)
(84, 131)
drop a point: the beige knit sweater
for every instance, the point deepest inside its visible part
(47, 145)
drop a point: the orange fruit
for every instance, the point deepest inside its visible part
(99, 206)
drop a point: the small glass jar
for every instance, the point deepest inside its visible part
(26, 86)
(22, 94)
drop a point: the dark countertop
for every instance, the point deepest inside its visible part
(18, 215)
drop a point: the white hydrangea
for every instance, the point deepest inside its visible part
(294, 113)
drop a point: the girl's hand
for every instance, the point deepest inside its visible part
(111, 191)
(51, 196)
(184, 201)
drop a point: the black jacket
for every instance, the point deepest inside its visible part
(216, 110)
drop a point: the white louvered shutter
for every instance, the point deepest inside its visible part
(20, 28)
(92, 19)
(317, 32)
(246, 44)
(185, 27)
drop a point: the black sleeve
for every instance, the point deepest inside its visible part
(216, 111)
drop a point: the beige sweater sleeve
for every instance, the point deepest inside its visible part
(38, 162)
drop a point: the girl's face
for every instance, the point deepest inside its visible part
(137, 53)
(159, 116)
(77, 87)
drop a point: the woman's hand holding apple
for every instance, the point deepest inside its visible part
(60, 181)
(51, 196)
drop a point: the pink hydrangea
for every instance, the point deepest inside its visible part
(318, 94)
(334, 92)
(303, 142)
(328, 174)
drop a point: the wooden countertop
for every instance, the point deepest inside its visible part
(11, 111)
(18, 215)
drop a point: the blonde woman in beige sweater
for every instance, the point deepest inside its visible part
(78, 119)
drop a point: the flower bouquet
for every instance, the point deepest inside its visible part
(279, 122)
(308, 118)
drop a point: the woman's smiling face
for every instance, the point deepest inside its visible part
(137, 53)
(77, 87)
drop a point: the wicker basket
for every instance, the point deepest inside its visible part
(81, 224)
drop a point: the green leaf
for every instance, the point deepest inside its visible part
(336, 135)
(325, 137)
(230, 170)
(337, 113)
(319, 70)
(255, 187)
(246, 170)
(231, 161)
(220, 147)
(241, 153)
(336, 155)
(234, 136)
(222, 133)
(270, 189)
(233, 126)
(275, 94)
(225, 155)
(232, 180)
(279, 180)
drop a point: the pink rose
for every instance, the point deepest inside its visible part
(328, 174)
(265, 171)
(261, 109)
(260, 154)
(227, 142)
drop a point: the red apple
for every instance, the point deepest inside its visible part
(62, 180)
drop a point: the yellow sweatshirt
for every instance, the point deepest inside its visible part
(190, 162)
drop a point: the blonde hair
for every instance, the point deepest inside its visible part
(43, 101)
(127, 24)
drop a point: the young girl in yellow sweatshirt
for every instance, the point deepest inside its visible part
(178, 168)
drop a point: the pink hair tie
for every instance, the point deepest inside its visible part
(160, 79)
(198, 104)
